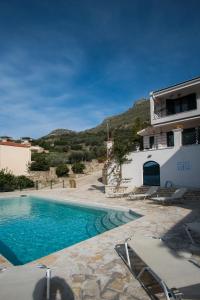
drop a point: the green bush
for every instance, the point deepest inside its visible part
(62, 170)
(7, 181)
(23, 182)
(76, 147)
(75, 157)
(78, 168)
(40, 163)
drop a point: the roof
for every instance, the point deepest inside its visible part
(13, 144)
(183, 84)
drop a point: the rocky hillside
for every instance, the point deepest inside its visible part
(140, 110)
(89, 144)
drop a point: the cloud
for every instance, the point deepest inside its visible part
(37, 97)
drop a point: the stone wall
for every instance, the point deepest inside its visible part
(92, 166)
(43, 176)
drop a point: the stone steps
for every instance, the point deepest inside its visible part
(109, 221)
(167, 192)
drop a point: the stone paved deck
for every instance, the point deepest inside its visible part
(92, 269)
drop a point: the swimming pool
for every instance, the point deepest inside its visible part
(32, 227)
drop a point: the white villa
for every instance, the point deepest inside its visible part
(171, 145)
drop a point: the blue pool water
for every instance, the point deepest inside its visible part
(32, 227)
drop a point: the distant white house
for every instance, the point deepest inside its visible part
(171, 145)
(15, 157)
(38, 149)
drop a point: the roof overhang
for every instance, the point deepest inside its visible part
(176, 88)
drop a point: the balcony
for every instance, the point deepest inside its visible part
(168, 110)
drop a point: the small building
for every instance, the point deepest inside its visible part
(38, 149)
(171, 145)
(15, 157)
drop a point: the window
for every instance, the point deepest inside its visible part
(186, 103)
(170, 139)
(151, 142)
(189, 136)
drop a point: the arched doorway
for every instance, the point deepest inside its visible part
(151, 173)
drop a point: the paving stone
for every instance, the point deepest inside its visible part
(90, 288)
(109, 295)
(77, 292)
(117, 282)
(92, 268)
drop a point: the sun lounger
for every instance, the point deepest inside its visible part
(25, 283)
(177, 195)
(192, 228)
(152, 190)
(175, 275)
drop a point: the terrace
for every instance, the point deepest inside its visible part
(92, 269)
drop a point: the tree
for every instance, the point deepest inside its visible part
(78, 168)
(120, 150)
(62, 170)
(40, 163)
(75, 157)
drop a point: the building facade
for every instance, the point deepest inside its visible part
(171, 145)
(15, 157)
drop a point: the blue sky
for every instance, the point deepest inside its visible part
(71, 63)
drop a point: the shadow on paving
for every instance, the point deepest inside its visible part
(97, 187)
(59, 290)
(176, 237)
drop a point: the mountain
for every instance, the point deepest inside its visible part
(90, 142)
(140, 109)
(59, 132)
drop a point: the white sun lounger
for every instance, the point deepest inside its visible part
(192, 228)
(152, 190)
(25, 283)
(170, 270)
(177, 195)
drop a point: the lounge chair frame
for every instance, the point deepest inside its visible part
(169, 293)
(152, 190)
(189, 231)
(174, 198)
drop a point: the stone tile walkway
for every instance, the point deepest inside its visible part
(92, 269)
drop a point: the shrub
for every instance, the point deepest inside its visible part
(62, 170)
(78, 168)
(23, 182)
(76, 147)
(7, 181)
(40, 163)
(75, 157)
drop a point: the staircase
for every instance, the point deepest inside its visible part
(109, 221)
(191, 194)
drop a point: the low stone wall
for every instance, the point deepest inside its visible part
(92, 166)
(43, 176)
